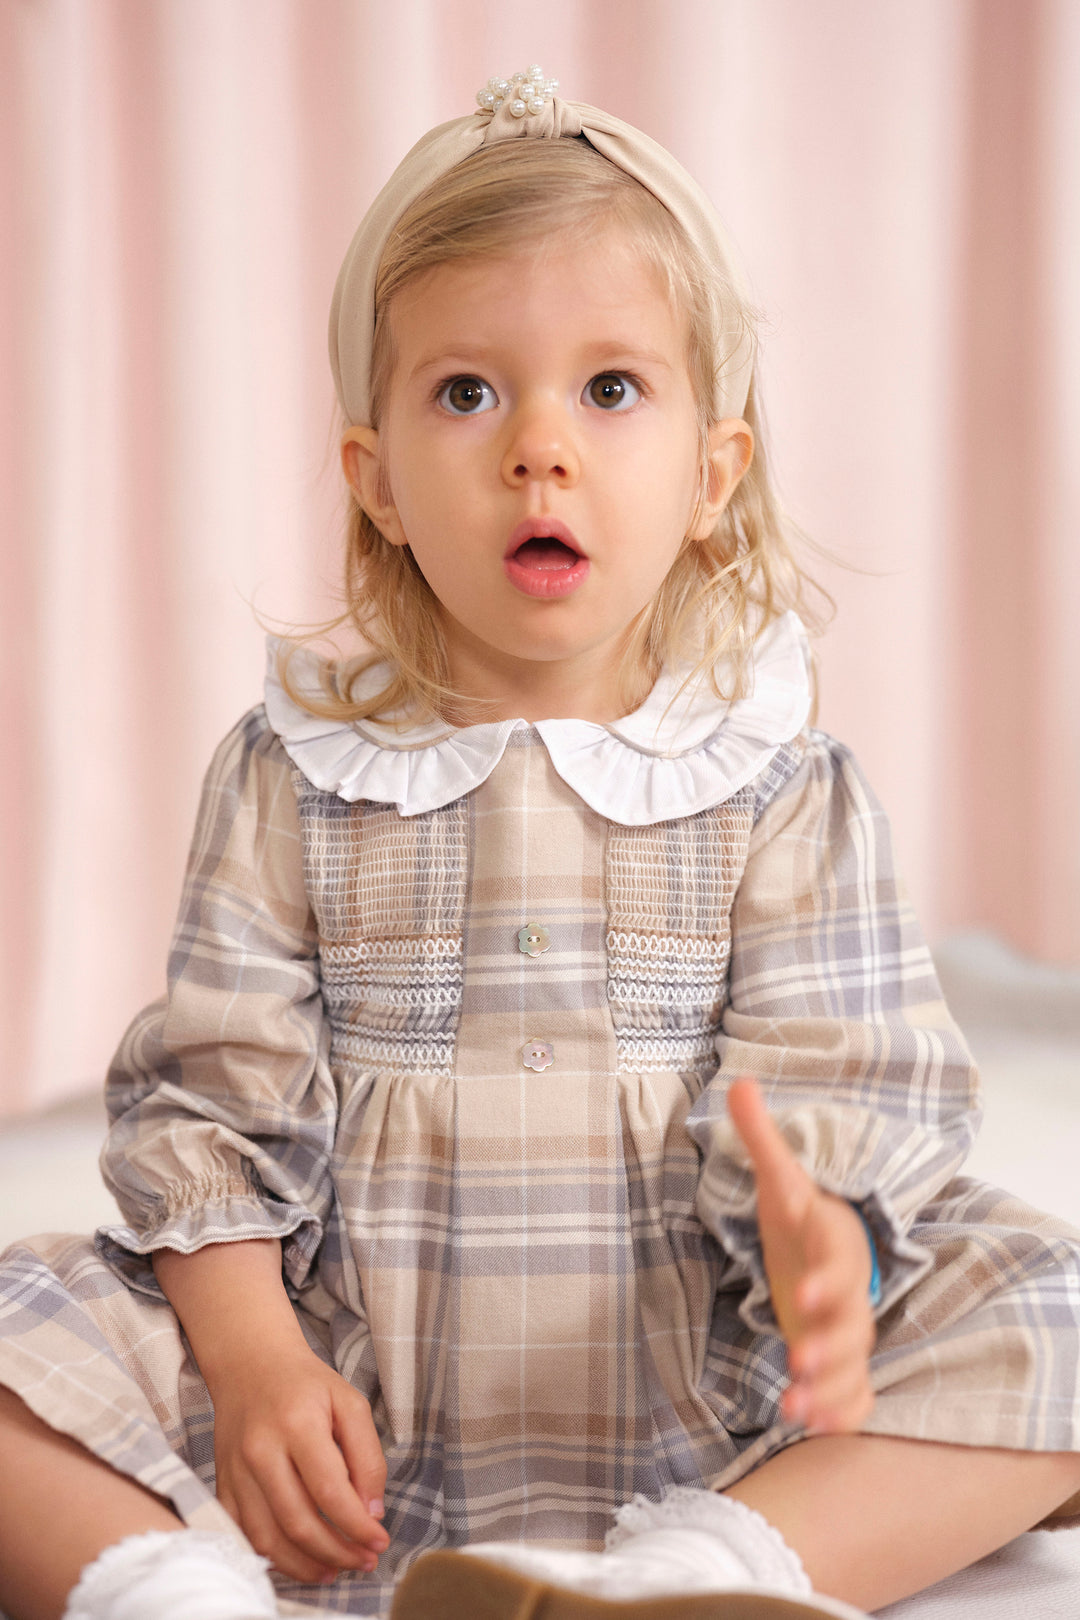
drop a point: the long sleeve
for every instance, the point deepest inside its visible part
(222, 1102)
(835, 1008)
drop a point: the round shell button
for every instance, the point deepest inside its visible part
(533, 939)
(538, 1055)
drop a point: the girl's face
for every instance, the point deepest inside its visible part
(540, 447)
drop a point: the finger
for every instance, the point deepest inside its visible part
(823, 1339)
(848, 1420)
(297, 1516)
(846, 1341)
(781, 1179)
(227, 1497)
(828, 1290)
(323, 1473)
(828, 1391)
(843, 1417)
(355, 1433)
(836, 1404)
(821, 1303)
(265, 1535)
(842, 1411)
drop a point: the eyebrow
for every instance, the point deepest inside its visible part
(615, 351)
(629, 351)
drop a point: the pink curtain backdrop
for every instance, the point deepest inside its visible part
(179, 179)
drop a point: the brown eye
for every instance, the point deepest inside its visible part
(464, 396)
(612, 392)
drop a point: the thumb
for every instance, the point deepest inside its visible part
(783, 1185)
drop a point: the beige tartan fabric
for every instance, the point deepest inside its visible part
(548, 1282)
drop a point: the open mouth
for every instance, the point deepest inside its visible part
(545, 552)
(543, 559)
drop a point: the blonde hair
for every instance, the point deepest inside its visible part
(719, 593)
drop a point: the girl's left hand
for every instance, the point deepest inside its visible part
(817, 1260)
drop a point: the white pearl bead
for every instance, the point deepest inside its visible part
(526, 92)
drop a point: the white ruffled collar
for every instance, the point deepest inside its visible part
(655, 764)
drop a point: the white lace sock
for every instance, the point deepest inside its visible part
(739, 1539)
(174, 1575)
(692, 1541)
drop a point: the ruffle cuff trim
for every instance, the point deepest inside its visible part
(230, 1219)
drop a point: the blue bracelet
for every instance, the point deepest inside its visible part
(875, 1269)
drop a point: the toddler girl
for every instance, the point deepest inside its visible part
(451, 1221)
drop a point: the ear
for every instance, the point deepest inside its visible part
(731, 450)
(367, 479)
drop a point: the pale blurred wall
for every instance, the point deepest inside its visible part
(178, 182)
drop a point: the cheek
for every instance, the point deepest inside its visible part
(407, 473)
(691, 465)
(673, 477)
(427, 468)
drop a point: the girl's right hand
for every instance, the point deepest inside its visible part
(299, 1465)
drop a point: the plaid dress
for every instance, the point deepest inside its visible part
(546, 1279)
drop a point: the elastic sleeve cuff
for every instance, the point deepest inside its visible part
(226, 1218)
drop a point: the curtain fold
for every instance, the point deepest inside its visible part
(178, 182)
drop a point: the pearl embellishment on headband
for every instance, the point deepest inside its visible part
(526, 92)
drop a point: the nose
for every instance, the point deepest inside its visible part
(540, 445)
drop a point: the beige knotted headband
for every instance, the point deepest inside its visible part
(352, 312)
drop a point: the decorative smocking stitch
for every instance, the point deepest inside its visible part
(406, 1053)
(670, 891)
(389, 896)
(396, 950)
(631, 944)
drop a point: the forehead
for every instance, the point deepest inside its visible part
(602, 286)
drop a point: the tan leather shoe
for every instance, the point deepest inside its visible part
(461, 1586)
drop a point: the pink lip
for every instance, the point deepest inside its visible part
(544, 582)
